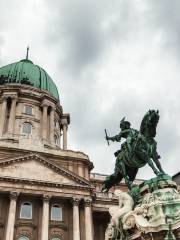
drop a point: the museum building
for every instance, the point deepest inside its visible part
(47, 191)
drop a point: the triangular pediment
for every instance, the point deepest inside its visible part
(36, 168)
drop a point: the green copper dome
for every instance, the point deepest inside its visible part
(25, 72)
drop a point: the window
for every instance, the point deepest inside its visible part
(57, 140)
(23, 238)
(28, 110)
(56, 213)
(26, 210)
(27, 128)
(57, 124)
(55, 239)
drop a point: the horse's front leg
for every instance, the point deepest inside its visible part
(150, 162)
(157, 162)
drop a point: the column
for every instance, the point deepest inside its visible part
(88, 220)
(76, 230)
(64, 136)
(52, 125)
(11, 217)
(3, 115)
(44, 122)
(12, 116)
(45, 218)
(81, 170)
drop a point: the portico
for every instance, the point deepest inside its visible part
(68, 198)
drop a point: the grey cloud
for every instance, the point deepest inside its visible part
(164, 17)
(83, 30)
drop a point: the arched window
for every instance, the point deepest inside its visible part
(56, 213)
(26, 210)
(27, 128)
(57, 140)
(56, 124)
(55, 239)
(23, 238)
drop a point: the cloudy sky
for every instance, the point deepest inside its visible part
(109, 59)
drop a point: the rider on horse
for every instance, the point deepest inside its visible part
(138, 149)
(126, 132)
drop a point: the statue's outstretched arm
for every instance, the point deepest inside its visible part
(116, 138)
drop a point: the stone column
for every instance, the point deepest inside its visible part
(52, 125)
(45, 218)
(3, 115)
(44, 121)
(88, 220)
(81, 170)
(64, 124)
(76, 230)
(12, 116)
(11, 217)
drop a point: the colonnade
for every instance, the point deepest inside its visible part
(45, 105)
(9, 235)
(44, 129)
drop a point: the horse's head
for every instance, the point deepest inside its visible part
(149, 123)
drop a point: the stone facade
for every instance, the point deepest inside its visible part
(39, 176)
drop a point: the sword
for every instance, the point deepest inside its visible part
(106, 136)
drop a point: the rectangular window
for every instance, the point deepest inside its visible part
(28, 110)
(56, 213)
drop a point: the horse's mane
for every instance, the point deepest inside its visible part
(143, 123)
(149, 127)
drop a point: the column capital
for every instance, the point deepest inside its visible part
(46, 198)
(64, 121)
(87, 202)
(13, 195)
(47, 103)
(4, 97)
(76, 201)
(10, 95)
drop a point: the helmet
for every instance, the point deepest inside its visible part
(124, 123)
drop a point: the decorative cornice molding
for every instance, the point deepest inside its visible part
(43, 183)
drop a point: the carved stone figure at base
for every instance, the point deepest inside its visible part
(158, 211)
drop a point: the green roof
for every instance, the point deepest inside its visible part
(25, 72)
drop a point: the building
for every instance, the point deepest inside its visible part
(47, 192)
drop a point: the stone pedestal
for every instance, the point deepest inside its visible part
(154, 214)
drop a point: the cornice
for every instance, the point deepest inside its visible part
(44, 183)
(61, 155)
(50, 165)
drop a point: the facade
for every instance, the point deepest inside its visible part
(47, 192)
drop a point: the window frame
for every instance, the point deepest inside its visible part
(60, 207)
(20, 213)
(26, 106)
(26, 122)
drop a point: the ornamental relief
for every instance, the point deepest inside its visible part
(56, 233)
(24, 231)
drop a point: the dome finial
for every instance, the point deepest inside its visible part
(27, 53)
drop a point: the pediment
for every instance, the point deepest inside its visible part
(36, 168)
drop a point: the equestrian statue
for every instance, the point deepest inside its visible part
(138, 149)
